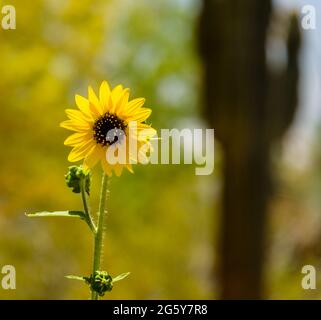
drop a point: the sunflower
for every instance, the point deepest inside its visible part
(102, 126)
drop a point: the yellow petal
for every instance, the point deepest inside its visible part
(106, 168)
(122, 102)
(75, 125)
(140, 115)
(83, 105)
(93, 157)
(118, 169)
(142, 155)
(104, 94)
(77, 116)
(94, 103)
(79, 152)
(145, 133)
(130, 168)
(76, 138)
(133, 105)
(115, 96)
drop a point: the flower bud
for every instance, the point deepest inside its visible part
(76, 176)
(100, 282)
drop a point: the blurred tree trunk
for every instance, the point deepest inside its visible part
(249, 107)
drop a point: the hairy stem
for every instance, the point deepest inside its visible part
(89, 219)
(99, 235)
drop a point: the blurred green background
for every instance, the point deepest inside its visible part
(163, 220)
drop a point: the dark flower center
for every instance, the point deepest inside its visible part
(108, 129)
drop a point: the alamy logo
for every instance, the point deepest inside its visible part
(308, 20)
(8, 277)
(309, 280)
(8, 21)
(173, 146)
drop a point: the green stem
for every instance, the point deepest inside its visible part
(100, 229)
(89, 219)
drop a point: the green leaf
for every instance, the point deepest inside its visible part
(75, 278)
(121, 276)
(70, 214)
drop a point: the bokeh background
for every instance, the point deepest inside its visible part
(164, 223)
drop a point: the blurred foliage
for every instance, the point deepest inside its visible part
(162, 220)
(295, 228)
(163, 236)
